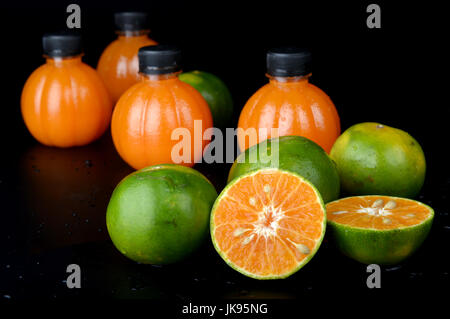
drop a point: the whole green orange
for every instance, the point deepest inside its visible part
(215, 92)
(375, 159)
(296, 154)
(160, 214)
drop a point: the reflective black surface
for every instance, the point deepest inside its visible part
(53, 201)
(60, 203)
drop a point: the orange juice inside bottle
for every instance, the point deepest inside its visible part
(289, 103)
(64, 102)
(157, 120)
(118, 64)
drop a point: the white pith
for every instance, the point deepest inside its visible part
(378, 208)
(261, 229)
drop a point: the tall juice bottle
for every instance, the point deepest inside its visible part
(64, 102)
(289, 103)
(118, 64)
(160, 119)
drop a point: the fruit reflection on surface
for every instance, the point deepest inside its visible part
(66, 192)
(148, 116)
(118, 65)
(290, 103)
(64, 102)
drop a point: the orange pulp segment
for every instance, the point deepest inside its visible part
(268, 224)
(377, 212)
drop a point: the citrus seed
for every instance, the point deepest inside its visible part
(340, 212)
(378, 203)
(248, 239)
(239, 232)
(303, 249)
(390, 205)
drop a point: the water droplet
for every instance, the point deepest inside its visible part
(415, 275)
(244, 292)
(394, 268)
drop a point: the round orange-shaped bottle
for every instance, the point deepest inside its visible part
(64, 102)
(160, 119)
(289, 103)
(118, 64)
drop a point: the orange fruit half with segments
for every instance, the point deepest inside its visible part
(268, 224)
(376, 229)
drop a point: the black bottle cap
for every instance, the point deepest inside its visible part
(130, 21)
(62, 44)
(288, 62)
(159, 59)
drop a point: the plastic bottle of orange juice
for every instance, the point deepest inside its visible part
(289, 103)
(157, 120)
(118, 64)
(64, 102)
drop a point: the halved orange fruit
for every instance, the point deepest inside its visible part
(268, 224)
(379, 229)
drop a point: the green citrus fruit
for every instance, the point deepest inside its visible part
(215, 92)
(268, 223)
(296, 154)
(160, 214)
(372, 158)
(376, 229)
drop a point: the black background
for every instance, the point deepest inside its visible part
(388, 75)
